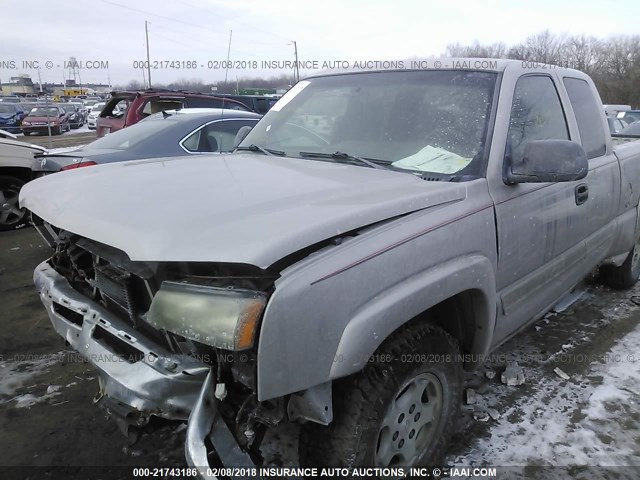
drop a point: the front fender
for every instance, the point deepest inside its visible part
(375, 321)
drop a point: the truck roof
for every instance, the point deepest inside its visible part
(484, 64)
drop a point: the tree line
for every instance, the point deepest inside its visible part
(613, 63)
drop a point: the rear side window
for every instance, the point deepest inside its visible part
(216, 137)
(536, 114)
(588, 115)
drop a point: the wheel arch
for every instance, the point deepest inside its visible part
(22, 173)
(457, 296)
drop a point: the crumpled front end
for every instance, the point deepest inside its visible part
(134, 371)
(99, 301)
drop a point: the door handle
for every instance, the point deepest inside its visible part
(582, 193)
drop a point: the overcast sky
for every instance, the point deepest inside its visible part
(325, 30)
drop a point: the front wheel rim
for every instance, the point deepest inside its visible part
(10, 213)
(409, 425)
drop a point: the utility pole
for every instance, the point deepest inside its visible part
(39, 80)
(296, 70)
(146, 32)
(226, 73)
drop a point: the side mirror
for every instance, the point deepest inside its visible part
(240, 136)
(548, 161)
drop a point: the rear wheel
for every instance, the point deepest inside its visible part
(399, 411)
(11, 216)
(626, 275)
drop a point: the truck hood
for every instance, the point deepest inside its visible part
(241, 208)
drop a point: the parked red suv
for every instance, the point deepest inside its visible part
(134, 106)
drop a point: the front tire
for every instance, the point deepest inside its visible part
(11, 216)
(398, 411)
(626, 275)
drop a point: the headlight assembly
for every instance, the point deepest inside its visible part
(222, 318)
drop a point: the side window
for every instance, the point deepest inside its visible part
(191, 143)
(536, 114)
(224, 133)
(216, 137)
(588, 115)
(157, 105)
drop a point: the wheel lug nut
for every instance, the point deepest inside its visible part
(401, 418)
(395, 436)
(417, 417)
(412, 433)
(400, 445)
(412, 408)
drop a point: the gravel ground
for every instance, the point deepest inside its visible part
(591, 418)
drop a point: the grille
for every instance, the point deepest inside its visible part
(101, 273)
(115, 287)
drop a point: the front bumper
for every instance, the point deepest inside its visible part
(39, 128)
(149, 379)
(207, 426)
(158, 383)
(10, 127)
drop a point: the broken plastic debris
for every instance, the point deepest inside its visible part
(221, 391)
(561, 373)
(52, 389)
(481, 417)
(490, 374)
(635, 299)
(513, 375)
(470, 396)
(493, 413)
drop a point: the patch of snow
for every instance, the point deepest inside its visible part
(585, 421)
(15, 374)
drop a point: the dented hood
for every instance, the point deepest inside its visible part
(242, 208)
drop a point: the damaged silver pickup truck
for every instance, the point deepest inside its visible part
(374, 234)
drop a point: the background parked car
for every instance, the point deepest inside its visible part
(81, 108)
(139, 105)
(92, 118)
(162, 135)
(10, 99)
(76, 119)
(11, 116)
(257, 103)
(39, 118)
(18, 165)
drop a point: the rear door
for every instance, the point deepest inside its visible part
(540, 226)
(113, 116)
(603, 181)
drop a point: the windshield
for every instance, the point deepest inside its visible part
(42, 112)
(131, 136)
(427, 121)
(90, 102)
(632, 129)
(69, 108)
(7, 109)
(97, 108)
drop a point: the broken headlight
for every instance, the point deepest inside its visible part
(220, 317)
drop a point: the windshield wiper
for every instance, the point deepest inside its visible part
(257, 148)
(342, 156)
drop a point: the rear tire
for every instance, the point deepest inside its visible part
(398, 411)
(11, 217)
(626, 275)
